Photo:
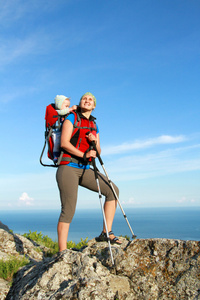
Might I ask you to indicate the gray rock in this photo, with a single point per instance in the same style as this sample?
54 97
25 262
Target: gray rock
4 288
17 245
3 226
144 269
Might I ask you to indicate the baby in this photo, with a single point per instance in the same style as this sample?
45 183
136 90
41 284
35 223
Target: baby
62 104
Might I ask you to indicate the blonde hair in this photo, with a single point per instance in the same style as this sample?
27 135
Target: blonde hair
90 94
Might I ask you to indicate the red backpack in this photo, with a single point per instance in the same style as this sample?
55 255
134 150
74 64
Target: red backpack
53 125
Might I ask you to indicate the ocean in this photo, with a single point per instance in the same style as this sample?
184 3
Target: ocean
172 223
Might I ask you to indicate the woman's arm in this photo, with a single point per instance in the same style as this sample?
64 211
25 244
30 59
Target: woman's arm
67 130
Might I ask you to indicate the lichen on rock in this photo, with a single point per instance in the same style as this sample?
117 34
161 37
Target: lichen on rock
144 269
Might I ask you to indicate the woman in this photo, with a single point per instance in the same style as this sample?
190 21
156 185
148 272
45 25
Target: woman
75 170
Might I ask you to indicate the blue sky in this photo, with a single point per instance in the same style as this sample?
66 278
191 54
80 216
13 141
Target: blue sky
141 59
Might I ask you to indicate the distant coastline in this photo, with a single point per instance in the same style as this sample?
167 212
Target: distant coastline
126 208
174 222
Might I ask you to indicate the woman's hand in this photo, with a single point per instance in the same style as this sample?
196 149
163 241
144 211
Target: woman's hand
91 153
92 138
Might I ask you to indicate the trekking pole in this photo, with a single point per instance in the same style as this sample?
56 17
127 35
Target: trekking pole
114 192
104 217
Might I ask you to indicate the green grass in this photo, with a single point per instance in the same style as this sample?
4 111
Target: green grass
9 267
81 244
126 237
43 240
46 241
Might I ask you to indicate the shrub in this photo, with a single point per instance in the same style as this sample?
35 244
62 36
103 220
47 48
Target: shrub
9 267
126 237
43 240
46 241
81 244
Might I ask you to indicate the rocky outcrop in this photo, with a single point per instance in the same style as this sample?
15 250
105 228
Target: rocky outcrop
3 226
17 246
144 269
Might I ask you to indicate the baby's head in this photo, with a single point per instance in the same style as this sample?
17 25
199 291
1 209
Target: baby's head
62 102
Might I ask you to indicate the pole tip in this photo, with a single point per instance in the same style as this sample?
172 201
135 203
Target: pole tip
113 269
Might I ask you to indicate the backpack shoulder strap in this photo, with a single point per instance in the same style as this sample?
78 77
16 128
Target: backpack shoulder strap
77 118
77 121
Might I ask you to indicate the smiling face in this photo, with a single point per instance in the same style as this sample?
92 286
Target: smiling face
87 103
65 104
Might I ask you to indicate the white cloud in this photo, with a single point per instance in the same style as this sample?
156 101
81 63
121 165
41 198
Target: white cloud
185 200
8 9
131 201
159 163
25 200
16 48
34 40
14 10
17 94
126 168
182 200
142 144
40 190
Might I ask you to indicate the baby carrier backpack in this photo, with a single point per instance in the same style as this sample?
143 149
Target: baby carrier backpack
53 126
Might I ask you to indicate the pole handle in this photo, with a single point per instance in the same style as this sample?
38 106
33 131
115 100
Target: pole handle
95 148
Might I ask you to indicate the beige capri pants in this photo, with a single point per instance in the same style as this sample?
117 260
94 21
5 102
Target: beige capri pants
69 178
